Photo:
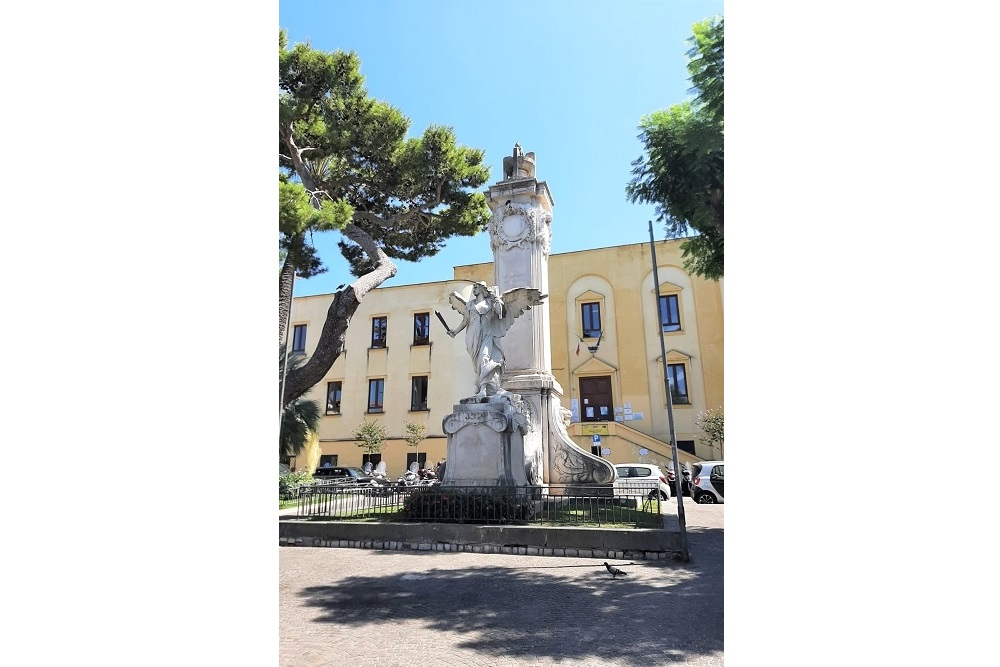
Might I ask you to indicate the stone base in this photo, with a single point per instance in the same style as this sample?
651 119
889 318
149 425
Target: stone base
486 443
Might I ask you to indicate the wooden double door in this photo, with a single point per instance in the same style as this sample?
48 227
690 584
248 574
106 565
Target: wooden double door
596 403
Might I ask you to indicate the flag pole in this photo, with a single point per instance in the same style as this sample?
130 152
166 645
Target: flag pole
678 486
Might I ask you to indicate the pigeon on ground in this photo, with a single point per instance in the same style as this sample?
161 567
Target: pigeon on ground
614 571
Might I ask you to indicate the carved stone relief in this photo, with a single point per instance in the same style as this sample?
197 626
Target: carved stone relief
515 225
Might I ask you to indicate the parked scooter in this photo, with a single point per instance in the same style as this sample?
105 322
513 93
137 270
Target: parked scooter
409 478
428 477
379 479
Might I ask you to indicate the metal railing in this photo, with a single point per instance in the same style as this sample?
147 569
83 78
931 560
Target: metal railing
556 505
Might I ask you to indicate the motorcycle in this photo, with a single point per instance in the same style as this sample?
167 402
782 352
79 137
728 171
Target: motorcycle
409 477
379 479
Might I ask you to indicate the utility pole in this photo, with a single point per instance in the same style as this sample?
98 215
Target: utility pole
678 476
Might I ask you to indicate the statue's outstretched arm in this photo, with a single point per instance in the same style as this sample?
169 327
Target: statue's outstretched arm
459 304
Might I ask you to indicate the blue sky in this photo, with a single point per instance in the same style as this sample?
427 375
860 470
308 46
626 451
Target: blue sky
568 80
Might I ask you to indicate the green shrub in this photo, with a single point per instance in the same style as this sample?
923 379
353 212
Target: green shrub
432 504
289 484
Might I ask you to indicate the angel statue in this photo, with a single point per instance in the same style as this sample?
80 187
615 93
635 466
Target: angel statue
486 317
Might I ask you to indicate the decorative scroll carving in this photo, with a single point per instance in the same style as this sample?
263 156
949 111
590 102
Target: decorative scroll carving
570 464
454 422
514 225
502 414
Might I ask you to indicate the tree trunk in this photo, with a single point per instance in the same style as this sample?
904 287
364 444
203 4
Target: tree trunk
345 303
286 280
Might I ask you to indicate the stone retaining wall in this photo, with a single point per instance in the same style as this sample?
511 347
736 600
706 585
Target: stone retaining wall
635 544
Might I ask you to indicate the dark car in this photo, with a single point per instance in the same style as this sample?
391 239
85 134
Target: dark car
342 475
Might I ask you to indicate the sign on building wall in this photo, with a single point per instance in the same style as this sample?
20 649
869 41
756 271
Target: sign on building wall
595 429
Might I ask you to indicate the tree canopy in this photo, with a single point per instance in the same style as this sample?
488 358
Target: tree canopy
370 436
713 425
682 171
345 164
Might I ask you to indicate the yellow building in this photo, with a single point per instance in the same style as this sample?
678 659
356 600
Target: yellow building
401 365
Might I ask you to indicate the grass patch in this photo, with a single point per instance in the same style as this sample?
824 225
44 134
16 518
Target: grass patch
592 514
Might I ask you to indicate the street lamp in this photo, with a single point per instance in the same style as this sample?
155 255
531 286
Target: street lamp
678 487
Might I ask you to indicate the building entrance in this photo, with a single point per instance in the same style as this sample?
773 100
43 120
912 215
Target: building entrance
595 399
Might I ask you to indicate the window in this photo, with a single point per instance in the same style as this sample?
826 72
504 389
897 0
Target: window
678 384
299 339
327 460
686 446
591 320
373 459
418 395
379 325
420 459
333 391
376 390
422 329
670 317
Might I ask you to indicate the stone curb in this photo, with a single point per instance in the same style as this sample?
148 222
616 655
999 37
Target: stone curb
634 544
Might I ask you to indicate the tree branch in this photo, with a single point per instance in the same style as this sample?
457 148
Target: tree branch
345 303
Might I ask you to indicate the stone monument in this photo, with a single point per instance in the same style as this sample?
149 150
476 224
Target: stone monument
512 432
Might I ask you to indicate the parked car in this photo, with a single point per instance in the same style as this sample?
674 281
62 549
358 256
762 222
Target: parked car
708 482
635 477
342 475
283 470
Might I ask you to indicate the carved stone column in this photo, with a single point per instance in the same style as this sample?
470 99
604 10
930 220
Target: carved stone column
521 238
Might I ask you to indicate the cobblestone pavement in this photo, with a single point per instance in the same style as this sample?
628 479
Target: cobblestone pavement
387 608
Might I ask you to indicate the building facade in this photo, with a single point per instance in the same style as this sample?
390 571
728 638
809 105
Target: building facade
400 364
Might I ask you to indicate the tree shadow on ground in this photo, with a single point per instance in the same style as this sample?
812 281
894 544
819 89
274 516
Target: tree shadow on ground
565 608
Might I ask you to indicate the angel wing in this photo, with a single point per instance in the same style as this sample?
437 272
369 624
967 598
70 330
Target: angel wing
457 302
518 300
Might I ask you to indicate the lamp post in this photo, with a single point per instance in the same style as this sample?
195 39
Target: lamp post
678 486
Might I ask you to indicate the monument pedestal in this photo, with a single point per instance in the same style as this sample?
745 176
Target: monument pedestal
486 443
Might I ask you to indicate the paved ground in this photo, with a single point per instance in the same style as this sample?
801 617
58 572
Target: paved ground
388 608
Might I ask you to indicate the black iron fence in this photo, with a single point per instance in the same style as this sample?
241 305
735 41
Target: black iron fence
557 505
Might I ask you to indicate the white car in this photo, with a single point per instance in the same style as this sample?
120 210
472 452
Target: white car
707 481
634 478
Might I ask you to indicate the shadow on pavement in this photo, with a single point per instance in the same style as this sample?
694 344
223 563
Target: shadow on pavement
560 608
